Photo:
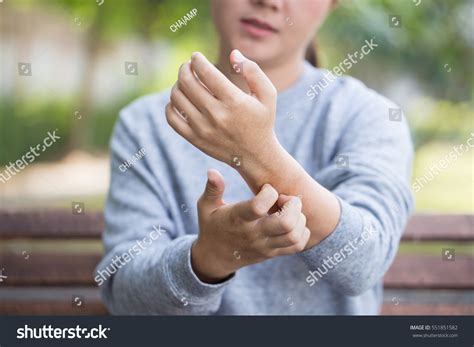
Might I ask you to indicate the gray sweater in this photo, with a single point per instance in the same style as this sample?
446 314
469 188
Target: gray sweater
338 130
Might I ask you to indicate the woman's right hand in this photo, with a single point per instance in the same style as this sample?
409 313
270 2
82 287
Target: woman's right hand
236 235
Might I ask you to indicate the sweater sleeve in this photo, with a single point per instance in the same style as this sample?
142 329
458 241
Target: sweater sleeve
146 268
369 172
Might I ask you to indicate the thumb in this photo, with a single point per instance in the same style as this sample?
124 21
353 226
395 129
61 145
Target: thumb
214 190
259 84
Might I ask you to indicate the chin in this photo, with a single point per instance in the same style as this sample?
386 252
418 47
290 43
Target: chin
258 52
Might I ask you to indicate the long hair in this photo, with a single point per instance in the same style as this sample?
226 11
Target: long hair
312 54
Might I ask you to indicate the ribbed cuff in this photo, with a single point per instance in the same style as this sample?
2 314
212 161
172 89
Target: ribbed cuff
184 283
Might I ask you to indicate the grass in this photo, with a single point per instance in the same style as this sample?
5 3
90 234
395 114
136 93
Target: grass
451 191
436 248
93 203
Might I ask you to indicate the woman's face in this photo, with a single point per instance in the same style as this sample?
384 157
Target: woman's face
268 30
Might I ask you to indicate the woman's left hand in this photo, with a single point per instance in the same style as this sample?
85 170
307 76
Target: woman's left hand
220 119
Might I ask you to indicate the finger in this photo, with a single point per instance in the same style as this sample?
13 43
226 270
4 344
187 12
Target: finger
195 91
284 220
289 213
277 224
214 191
259 84
289 239
283 199
212 78
258 206
188 111
177 122
299 247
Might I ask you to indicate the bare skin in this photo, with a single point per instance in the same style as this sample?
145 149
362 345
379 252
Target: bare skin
228 113
237 235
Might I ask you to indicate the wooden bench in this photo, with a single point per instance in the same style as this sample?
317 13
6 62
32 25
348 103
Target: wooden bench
47 261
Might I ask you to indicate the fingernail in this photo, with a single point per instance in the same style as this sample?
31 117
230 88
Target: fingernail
209 176
238 56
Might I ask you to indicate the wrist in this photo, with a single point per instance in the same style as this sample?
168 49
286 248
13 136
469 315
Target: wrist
265 165
206 264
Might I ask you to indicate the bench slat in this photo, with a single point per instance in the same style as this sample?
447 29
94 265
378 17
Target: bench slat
97 308
50 224
427 310
49 269
419 272
407 272
51 300
59 301
63 224
439 227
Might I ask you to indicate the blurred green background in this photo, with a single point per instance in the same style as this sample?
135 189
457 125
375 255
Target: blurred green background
77 50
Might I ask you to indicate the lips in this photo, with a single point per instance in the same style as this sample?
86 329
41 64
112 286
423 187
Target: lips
259 24
257 27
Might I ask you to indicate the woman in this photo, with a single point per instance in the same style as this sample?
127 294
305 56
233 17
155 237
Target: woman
316 185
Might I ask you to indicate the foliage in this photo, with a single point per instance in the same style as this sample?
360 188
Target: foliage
433 34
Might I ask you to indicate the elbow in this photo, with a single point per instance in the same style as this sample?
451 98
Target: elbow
107 299
355 287
358 282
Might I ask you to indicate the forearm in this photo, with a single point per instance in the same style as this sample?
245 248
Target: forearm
278 168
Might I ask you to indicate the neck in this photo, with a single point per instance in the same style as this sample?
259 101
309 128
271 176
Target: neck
283 73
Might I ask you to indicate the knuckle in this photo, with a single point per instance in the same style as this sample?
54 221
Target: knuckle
236 100
272 92
298 203
181 84
204 132
257 208
265 253
204 71
186 78
251 66
286 224
173 89
181 71
223 124
232 217
218 115
272 192
303 218
299 247
174 96
293 238
169 116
